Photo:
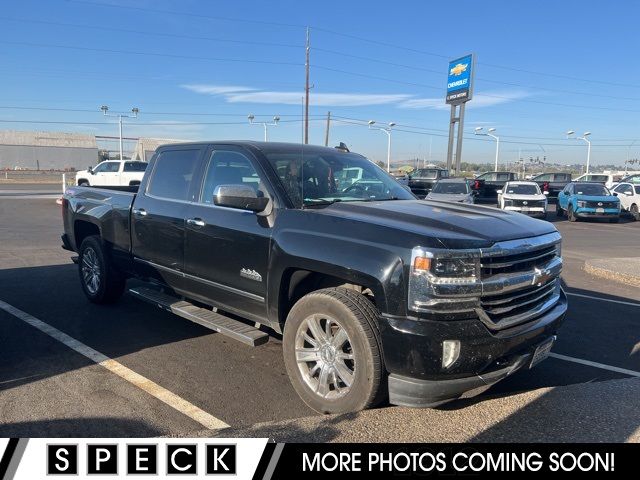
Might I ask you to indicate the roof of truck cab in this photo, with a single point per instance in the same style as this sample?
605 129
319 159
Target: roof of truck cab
265 147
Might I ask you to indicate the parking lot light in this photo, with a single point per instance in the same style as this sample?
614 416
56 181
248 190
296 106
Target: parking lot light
489 133
386 130
265 125
134 114
585 139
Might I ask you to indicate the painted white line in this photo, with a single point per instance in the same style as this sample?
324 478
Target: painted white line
595 364
174 401
632 304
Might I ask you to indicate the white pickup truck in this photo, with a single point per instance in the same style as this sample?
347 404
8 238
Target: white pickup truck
112 173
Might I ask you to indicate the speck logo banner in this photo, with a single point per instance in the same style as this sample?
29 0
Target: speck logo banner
261 459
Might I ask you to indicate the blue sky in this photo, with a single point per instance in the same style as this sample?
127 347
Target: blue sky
193 67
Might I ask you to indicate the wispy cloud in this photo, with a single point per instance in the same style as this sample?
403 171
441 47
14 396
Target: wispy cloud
237 94
244 94
486 99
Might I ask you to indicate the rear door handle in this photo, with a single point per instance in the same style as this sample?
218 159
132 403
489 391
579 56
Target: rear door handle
139 211
196 222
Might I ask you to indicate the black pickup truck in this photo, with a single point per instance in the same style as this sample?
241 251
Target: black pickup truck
488 184
377 294
422 180
553 183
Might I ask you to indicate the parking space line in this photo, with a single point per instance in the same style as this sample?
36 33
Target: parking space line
602 366
171 399
632 304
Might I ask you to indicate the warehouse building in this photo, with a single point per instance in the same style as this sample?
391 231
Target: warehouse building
46 150
145 147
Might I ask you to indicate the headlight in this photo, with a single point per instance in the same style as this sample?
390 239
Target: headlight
508 203
582 204
432 268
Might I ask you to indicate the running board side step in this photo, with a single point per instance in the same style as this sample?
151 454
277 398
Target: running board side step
215 321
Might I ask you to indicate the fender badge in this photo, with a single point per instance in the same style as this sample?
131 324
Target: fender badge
250 274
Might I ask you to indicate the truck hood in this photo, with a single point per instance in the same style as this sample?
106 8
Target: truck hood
512 196
597 198
454 225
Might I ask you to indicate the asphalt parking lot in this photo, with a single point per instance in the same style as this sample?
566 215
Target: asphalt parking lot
587 391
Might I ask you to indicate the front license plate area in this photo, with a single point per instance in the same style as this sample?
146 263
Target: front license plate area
541 352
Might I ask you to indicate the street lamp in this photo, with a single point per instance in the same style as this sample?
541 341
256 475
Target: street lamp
276 119
134 114
489 133
583 137
386 130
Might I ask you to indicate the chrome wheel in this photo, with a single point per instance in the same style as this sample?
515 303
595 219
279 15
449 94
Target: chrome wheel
91 270
325 356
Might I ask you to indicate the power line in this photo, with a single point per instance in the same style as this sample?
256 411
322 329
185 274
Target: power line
157 34
151 54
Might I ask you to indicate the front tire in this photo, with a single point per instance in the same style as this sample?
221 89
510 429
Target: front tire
570 215
635 215
332 351
100 281
83 183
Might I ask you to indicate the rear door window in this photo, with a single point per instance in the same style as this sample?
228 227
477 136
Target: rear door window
173 173
135 166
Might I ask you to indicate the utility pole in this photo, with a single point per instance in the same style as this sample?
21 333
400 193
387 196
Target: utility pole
306 92
326 132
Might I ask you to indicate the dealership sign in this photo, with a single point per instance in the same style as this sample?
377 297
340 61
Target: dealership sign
460 79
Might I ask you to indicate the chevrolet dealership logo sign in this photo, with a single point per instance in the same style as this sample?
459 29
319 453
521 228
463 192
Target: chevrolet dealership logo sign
460 80
458 69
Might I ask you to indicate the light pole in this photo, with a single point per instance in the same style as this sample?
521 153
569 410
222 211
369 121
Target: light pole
120 116
628 156
496 138
276 119
386 130
583 137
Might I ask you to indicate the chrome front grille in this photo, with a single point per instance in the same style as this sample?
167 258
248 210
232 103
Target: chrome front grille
592 204
516 262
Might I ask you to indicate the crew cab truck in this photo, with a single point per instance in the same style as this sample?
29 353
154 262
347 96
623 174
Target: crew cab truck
377 294
552 183
488 184
112 173
422 180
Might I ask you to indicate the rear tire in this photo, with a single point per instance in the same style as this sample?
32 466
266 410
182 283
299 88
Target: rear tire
100 281
342 371
570 215
83 183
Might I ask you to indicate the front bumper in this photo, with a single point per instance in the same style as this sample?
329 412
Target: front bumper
591 213
413 355
532 212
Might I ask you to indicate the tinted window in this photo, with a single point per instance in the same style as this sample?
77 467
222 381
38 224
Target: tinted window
562 177
594 189
546 177
107 167
637 188
522 189
451 188
172 174
426 173
596 178
135 166
227 167
624 188
328 177
503 177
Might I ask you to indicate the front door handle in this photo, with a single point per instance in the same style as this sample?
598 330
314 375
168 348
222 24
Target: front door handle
139 211
196 222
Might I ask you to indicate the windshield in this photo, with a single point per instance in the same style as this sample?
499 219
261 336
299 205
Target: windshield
595 178
333 177
425 173
594 189
522 189
451 188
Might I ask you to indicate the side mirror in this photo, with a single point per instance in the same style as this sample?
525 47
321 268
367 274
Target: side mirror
90 169
545 192
242 197
499 192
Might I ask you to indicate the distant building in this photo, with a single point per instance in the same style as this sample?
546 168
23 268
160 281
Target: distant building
46 150
146 147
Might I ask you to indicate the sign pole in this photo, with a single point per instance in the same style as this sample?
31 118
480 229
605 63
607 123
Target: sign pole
459 142
452 126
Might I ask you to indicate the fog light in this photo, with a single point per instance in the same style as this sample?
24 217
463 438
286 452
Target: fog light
450 352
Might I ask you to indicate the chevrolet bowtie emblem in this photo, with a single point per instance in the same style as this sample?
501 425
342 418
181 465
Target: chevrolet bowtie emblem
459 69
541 276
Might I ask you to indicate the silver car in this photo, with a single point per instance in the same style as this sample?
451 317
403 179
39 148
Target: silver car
452 190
